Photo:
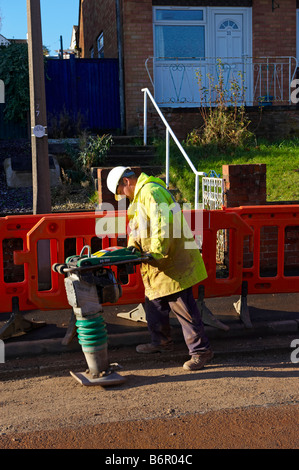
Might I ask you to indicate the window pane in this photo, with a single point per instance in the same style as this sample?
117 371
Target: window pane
180 41
179 15
100 44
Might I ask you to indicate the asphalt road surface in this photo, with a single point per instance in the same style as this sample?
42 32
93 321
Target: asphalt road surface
244 399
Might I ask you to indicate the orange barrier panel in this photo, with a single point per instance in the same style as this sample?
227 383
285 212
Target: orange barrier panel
83 228
14 279
212 223
57 230
274 264
244 229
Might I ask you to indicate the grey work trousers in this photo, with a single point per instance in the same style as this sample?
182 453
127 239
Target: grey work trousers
185 308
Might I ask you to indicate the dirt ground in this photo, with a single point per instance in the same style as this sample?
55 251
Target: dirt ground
239 401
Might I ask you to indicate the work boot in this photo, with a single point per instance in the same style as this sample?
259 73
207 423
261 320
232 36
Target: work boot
150 348
198 361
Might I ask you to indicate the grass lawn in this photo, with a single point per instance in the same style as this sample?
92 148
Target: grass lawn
282 160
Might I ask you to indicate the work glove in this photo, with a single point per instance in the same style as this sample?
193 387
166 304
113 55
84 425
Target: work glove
138 252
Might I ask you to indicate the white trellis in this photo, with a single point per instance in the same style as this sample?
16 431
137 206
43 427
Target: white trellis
212 193
213 199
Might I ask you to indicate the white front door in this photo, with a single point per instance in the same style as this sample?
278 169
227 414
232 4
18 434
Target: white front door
229 35
187 43
230 48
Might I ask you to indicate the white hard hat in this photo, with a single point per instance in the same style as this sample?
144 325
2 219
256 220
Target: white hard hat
114 176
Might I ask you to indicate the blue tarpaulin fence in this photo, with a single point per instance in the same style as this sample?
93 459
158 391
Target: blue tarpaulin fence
84 87
85 90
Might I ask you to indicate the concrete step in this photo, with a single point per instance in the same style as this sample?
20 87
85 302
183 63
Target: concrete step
126 139
131 149
125 152
128 157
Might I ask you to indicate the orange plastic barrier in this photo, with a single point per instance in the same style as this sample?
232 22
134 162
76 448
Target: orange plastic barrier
14 279
82 228
214 222
274 244
244 229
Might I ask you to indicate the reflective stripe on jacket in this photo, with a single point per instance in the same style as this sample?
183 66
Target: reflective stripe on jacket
158 227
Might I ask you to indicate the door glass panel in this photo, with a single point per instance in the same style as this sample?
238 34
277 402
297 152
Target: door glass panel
180 41
228 24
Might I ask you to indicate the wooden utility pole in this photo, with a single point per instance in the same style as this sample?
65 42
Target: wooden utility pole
39 138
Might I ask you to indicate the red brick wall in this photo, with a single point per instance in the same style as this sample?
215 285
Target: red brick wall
97 17
245 185
274 33
277 122
138 45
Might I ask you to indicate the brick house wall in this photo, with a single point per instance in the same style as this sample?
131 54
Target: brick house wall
97 17
276 122
273 34
138 45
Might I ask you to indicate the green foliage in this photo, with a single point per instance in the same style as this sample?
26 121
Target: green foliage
225 123
92 153
14 73
224 128
95 151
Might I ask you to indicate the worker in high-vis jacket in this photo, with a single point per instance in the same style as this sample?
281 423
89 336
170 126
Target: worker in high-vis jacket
158 228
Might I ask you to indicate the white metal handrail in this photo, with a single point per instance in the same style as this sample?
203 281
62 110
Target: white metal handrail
169 132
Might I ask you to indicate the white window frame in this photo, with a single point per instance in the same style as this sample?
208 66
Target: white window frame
203 9
202 22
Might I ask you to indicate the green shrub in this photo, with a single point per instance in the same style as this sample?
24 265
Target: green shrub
95 151
14 73
225 123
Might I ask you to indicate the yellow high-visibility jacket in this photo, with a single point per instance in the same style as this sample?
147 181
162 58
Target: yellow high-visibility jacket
157 226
